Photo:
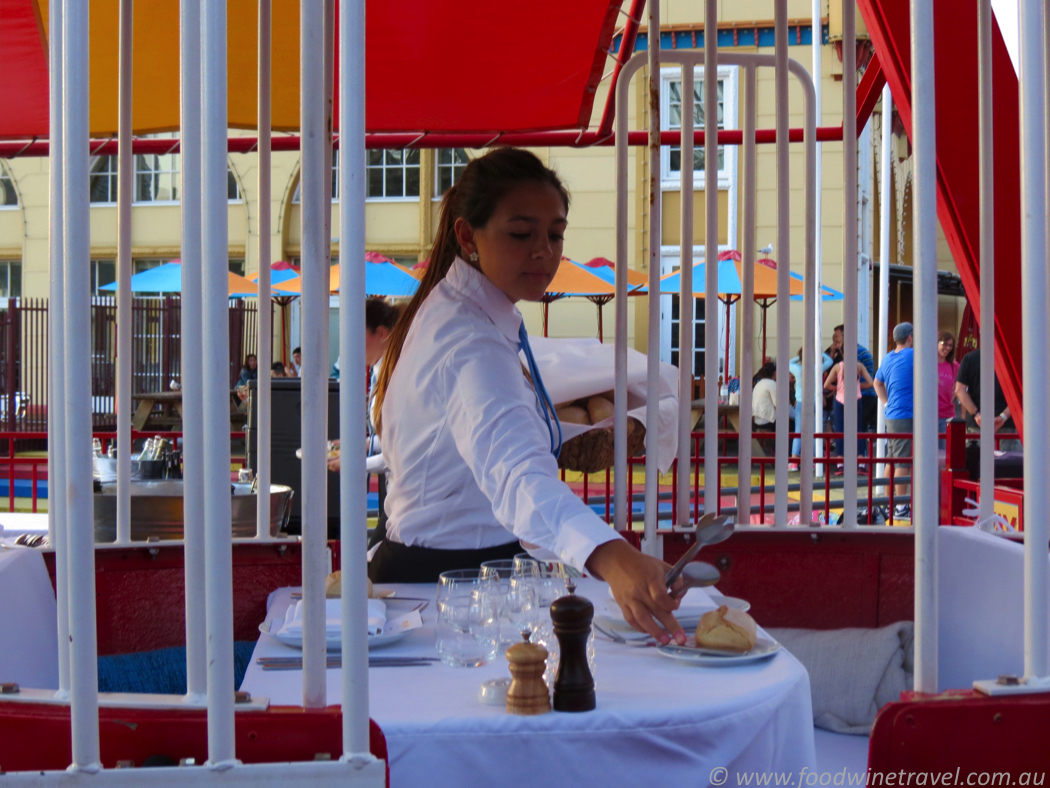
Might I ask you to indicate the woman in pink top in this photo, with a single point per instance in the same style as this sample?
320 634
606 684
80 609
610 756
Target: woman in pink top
947 368
837 381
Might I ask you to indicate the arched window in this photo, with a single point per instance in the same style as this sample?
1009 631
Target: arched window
8 195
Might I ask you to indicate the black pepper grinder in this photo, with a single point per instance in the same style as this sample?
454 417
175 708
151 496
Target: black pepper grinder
574 685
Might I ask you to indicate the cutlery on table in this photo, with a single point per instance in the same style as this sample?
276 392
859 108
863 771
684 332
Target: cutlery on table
335 661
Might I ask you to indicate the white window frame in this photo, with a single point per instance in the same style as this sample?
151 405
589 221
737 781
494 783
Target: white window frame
7 181
670 260
95 285
729 76
109 173
384 166
457 169
172 170
297 194
5 277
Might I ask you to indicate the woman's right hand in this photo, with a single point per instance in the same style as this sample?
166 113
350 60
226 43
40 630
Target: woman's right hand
637 583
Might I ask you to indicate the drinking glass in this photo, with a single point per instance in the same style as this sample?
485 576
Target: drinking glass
498 574
467 630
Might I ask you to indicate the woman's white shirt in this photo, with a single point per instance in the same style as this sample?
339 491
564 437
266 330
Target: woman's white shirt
764 401
469 452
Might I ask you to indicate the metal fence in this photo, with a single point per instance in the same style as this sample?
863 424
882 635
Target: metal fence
156 353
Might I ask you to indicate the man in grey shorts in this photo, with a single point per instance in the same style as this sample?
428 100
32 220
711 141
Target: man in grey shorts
894 383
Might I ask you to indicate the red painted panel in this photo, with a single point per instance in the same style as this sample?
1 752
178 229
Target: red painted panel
958 201
280 734
963 734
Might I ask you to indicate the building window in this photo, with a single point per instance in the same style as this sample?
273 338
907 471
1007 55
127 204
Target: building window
157 177
103 272
237 266
297 195
450 164
8 195
392 173
104 179
671 119
10 279
145 264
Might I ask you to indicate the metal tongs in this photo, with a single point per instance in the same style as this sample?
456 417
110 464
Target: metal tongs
712 529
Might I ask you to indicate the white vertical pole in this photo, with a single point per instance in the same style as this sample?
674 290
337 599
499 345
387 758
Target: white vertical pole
216 374
352 507
78 492
125 185
849 260
987 274
817 26
747 298
811 355
783 445
650 541
315 241
192 350
685 307
885 208
711 471
1034 347
264 345
924 464
56 372
621 518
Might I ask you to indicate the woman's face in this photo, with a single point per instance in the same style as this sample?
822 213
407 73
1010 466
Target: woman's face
253 362
944 347
375 344
519 250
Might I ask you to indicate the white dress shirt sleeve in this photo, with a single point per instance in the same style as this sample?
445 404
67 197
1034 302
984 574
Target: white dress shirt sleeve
500 434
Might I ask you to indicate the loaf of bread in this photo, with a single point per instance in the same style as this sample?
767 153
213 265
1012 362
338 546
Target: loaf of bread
571 414
333 585
599 409
727 629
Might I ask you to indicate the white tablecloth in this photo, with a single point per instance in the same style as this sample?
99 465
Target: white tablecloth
28 620
658 720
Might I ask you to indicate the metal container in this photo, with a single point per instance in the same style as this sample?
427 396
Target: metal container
156 510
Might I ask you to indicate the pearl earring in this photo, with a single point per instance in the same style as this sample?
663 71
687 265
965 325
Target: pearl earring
473 257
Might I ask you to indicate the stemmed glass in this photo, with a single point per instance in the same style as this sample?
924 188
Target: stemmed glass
467 630
499 576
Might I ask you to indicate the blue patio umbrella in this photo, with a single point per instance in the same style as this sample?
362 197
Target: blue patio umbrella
167 278
381 279
828 294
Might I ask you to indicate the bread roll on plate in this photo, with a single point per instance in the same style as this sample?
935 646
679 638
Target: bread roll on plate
727 629
333 585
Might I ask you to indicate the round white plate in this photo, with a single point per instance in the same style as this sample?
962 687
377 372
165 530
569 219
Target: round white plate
731 601
764 649
336 644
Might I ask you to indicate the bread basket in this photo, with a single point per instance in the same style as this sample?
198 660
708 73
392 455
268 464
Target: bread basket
594 450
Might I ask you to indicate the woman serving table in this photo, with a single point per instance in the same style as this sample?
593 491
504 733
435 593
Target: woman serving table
656 717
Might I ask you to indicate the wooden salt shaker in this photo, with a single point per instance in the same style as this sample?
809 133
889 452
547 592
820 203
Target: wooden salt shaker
574 685
528 694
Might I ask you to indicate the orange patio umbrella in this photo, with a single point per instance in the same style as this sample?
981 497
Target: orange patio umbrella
573 279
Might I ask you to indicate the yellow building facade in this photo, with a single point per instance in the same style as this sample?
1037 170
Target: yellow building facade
405 189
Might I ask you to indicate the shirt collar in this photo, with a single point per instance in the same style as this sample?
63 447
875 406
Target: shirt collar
474 285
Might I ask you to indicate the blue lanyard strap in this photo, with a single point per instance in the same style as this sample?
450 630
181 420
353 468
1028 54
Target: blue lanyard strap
543 400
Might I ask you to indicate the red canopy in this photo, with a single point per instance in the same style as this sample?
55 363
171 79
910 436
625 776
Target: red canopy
433 65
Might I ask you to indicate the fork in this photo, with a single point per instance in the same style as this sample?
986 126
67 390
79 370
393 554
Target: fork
638 642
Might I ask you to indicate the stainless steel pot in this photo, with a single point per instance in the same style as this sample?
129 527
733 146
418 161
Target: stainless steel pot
156 510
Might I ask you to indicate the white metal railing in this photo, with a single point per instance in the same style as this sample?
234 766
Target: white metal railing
689 60
207 539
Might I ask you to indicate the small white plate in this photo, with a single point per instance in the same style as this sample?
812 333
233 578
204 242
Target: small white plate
731 601
764 649
408 616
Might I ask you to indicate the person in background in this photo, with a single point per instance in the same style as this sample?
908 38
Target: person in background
380 319
764 405
277 370
968 392
836 381
869 400
795 366
296 369
250 370
894 384
947 369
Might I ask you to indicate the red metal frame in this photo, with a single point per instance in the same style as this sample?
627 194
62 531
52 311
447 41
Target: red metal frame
958 205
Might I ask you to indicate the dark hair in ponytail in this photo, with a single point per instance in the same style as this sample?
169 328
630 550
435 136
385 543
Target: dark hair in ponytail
474 197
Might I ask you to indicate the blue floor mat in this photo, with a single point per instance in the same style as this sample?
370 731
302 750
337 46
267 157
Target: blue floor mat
162 671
